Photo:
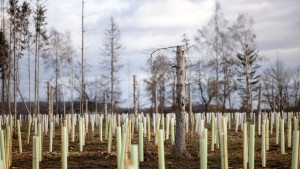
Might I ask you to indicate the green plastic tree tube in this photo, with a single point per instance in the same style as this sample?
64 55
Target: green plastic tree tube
134 156
295 149
252 146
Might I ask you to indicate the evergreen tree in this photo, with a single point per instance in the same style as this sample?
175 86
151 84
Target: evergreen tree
111 61
247 63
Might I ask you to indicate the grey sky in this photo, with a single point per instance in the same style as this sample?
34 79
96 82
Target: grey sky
149 24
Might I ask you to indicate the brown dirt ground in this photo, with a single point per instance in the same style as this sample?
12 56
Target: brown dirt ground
95 153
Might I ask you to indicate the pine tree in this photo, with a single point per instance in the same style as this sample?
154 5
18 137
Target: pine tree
248 66
111 61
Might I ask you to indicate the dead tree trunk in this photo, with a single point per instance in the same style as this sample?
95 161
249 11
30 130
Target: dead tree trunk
155 101
179 148
135 98
259 109
105 105
190 100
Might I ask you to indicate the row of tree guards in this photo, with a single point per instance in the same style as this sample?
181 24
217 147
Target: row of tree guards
159 130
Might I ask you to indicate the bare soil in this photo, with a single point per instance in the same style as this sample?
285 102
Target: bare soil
95 153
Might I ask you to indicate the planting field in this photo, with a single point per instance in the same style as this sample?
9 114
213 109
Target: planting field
95 153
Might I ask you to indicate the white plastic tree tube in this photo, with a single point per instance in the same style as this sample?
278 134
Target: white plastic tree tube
119 145
80 134
295 123
134 156
51 136
29 128
109 136
267 135
73 128
40 141
19 137
35 153
161 151
172 132
106 127
148 127
277 129
2 150
224 120
141 143
122 159
64 148
295 149
289 134
223 156
282 142
203 150
167 126
213 134
252 146
263 145
100 128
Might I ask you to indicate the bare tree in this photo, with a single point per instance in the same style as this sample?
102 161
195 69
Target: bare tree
40 39
215 42
112 49
281 78
58 59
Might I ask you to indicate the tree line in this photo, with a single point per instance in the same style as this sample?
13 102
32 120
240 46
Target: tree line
25 35
227 74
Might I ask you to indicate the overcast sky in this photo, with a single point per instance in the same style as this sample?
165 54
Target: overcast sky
147 24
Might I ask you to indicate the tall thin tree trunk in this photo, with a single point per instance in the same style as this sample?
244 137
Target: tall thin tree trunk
259 109
72 87
29 83
96 94
105 105
180 144
190 100
82 63
135 98
15 61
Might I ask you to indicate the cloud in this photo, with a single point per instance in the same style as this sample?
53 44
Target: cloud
148 24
